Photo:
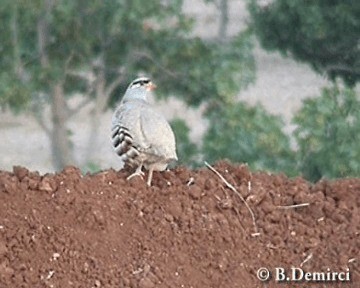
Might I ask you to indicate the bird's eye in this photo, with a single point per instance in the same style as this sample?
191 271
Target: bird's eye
145 82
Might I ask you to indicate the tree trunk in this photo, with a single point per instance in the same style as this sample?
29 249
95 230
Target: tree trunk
224 20
100 103
102 96
61 147
19 68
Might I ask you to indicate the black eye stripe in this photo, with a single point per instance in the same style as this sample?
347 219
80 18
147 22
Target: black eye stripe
141 82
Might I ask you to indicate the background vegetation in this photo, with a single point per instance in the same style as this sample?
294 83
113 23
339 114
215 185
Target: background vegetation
52 50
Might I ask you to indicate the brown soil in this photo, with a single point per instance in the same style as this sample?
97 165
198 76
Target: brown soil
69 230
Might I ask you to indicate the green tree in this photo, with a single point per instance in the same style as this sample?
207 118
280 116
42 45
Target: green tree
323 33
237 131
51 50
187 151
248 134
328 134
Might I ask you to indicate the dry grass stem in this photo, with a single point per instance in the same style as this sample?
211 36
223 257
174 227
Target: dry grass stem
238 194
191 181
306 259
293 206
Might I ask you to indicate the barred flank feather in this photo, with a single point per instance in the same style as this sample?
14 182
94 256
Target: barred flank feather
123 143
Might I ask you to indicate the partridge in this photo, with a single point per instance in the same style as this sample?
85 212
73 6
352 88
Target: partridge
140 135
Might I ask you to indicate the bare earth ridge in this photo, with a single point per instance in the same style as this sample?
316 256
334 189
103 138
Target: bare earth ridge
188 230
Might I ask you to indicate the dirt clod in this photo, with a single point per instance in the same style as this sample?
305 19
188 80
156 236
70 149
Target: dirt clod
74 230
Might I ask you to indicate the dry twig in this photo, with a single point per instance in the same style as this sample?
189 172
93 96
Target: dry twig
306 259
293 206
237 193
191 181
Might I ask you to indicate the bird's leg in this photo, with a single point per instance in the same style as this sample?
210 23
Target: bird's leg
151 169
137 172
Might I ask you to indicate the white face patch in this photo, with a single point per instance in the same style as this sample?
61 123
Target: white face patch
136 85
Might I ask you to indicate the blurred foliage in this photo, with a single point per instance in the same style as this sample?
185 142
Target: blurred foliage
328 134
13 94
248 134
90 167
187 151
128 38
97 48
323 33
206 71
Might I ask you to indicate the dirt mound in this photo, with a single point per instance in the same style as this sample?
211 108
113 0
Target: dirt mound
188 230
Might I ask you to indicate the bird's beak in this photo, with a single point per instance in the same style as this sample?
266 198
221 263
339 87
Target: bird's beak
151 86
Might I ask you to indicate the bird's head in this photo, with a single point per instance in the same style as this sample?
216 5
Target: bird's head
139 88
142 83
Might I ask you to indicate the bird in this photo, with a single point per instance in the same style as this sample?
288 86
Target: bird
141 136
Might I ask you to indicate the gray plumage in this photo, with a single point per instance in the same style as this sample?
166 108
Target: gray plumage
141 136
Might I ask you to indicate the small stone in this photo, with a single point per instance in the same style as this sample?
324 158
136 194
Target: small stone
33 184
209 184
3 249
146 283
195 192
56 256
47 184
168 217
126 282
10 185
20 172
73 171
